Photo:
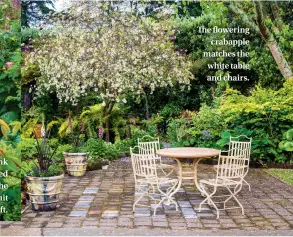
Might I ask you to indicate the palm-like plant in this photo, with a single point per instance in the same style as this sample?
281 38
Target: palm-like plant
45 152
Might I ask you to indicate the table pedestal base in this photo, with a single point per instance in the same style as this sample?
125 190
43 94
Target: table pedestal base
192 173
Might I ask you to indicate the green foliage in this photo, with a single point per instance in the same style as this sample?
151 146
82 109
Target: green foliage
124 145
153 125
4 128
28 149
30 33
13 157
201 129
27 166
53 170
92 117
177 130
47 165
209 120
10 58
28 127
170 110
9 133
264 116
100 149
93 163
287 143
30 119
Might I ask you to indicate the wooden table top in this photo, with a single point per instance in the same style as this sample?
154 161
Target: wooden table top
188 152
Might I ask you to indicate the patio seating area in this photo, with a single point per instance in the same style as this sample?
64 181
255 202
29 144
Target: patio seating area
104 199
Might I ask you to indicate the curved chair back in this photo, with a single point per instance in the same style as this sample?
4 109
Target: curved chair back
232 167
238 146
144 165
149 145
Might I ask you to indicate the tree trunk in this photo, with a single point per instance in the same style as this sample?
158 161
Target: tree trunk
107 129
271 42
147 113
213 93
128 131
107 112
280 59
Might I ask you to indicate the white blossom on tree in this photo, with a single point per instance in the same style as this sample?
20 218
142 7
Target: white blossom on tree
114 53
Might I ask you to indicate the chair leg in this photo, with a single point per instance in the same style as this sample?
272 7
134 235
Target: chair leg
140 197
145 193
209 199
160 202
167 196
247 184
170 194
235 198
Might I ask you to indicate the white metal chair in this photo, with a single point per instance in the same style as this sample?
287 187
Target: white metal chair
150 145
147 181
231 170
236 147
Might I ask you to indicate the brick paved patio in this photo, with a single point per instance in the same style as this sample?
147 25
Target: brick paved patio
104 198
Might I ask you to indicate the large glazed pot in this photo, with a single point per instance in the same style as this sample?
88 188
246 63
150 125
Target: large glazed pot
76 163
44 192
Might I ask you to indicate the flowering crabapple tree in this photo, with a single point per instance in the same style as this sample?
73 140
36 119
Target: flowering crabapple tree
116 53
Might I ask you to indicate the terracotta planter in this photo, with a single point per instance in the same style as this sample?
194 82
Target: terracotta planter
44 192
38 130
76 163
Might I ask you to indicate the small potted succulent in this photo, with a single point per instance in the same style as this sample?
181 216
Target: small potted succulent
76 160
44 182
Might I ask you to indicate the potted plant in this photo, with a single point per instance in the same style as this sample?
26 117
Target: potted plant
44 181
76 160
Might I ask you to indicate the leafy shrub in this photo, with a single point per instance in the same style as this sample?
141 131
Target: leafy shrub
287 142
170 110
13 158
264 116
100 149
28 149
208 122
58 158
286 145
177 131
29 33
123 146
262 145
201 129
138 133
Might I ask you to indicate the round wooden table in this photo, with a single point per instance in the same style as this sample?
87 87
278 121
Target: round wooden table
181 153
